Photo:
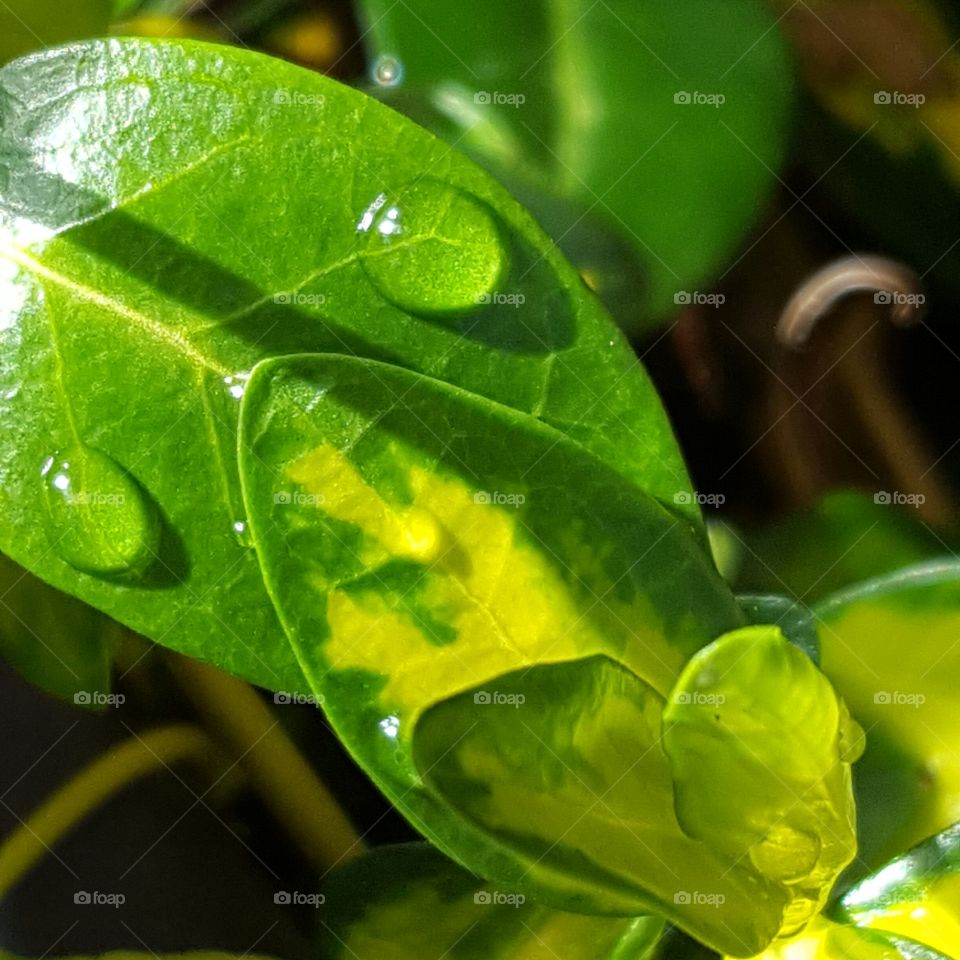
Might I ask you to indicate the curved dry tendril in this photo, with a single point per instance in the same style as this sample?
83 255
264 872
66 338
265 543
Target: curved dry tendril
895 283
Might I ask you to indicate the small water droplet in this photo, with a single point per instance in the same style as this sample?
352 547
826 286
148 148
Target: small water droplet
852 740
432 249
100 520
786 854
236 384
241 531
390 727
387 71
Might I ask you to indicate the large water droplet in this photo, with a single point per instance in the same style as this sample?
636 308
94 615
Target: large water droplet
100 520
786 854
387 71
432 249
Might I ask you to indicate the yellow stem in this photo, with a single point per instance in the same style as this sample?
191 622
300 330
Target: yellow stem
275 767
96 783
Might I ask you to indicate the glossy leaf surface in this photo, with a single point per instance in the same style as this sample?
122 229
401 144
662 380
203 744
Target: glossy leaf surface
159 237
667 119
492 618
890 648
408 902
916 896
760 748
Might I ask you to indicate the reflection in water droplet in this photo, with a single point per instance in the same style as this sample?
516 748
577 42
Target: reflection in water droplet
387 71
242 532
786 854
390 726
236 384
100 520
432 249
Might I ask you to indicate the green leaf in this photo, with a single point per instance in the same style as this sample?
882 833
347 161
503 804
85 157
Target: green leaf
795 620
914 896
27 25
760 748
582 102
56 642
407 902
441 562
890 648
172 213
824 939
844 538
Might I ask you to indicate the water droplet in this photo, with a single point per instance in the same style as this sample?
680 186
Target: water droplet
390 727
387 71
242 532
236 384
852 740
786 854
100 520
432 249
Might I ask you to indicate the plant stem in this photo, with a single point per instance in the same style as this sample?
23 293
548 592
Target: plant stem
275 767
120 766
